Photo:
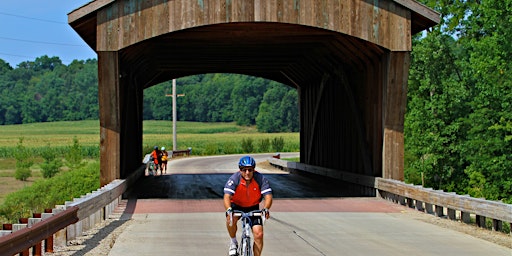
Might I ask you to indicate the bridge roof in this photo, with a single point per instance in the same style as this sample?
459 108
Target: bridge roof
279 51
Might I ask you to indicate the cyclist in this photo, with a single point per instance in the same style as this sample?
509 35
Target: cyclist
156 154
244 191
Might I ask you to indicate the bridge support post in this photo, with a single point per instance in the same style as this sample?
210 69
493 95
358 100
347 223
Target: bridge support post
393 104
120 102
110 123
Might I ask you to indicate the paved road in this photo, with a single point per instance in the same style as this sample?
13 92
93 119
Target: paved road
182 214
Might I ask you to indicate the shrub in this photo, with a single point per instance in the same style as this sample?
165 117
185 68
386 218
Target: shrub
51 164
74 155
278 144
264 145
23 162
247 146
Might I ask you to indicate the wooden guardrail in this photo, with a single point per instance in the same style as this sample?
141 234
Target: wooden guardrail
32 236
66 222
431 201
184 152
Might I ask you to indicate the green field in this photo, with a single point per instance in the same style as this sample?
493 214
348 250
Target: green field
199 136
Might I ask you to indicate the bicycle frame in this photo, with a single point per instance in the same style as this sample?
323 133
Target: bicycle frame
245 248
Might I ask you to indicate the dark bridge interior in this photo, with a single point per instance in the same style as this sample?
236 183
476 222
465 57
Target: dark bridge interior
291 54
210 186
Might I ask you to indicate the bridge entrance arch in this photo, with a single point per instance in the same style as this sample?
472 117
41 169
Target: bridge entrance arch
348 59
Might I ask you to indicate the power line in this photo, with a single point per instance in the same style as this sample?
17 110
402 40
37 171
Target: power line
30 57
30 18
15 55
38 42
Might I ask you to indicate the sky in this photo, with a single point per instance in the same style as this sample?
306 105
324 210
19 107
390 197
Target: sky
33 28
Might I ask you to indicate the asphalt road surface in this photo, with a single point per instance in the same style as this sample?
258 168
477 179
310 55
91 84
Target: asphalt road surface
181 213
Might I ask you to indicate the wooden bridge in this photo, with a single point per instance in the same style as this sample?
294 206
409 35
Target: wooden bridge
348 59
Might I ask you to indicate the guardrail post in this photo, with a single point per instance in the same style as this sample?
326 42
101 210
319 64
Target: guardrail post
48 242
429 208
451 214
36 249
439 211
419 206
24 221
60 236
480 221
497 225
6 229
465 217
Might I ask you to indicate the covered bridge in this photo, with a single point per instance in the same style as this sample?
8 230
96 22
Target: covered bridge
348 60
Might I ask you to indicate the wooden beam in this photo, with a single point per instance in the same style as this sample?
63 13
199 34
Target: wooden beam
394 101
110 116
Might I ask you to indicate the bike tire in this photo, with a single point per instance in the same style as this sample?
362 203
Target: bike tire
246 248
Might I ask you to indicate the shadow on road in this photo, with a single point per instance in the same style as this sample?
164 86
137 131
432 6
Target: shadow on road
210 186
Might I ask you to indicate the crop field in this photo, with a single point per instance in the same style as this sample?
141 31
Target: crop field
189 134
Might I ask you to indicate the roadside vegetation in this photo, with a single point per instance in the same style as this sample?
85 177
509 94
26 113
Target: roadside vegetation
46 164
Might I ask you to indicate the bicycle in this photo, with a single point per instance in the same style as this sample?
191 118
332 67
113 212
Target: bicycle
245 248
152 169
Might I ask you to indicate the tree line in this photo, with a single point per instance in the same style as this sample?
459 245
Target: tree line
45 90
458 123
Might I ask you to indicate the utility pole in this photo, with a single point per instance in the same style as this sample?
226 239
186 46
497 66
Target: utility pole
174 113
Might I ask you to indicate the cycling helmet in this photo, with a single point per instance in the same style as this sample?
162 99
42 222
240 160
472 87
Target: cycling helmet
246 161
163 148
155 147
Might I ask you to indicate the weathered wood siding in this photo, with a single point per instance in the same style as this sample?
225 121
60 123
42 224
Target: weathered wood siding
127 22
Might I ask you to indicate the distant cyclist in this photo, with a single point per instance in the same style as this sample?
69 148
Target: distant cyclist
244 191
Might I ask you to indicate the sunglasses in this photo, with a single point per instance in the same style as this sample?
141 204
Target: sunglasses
247 170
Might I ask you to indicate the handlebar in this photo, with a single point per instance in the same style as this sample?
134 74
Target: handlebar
254 213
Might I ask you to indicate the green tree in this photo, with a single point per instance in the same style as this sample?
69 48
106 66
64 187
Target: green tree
74 155
23 162
51 165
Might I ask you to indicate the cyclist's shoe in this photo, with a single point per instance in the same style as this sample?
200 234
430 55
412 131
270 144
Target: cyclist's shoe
233 249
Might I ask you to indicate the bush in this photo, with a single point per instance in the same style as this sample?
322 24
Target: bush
264 145
278 144
23 162
51 164
22 174
247 146
74 156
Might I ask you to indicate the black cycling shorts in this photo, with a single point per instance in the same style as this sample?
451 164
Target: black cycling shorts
255 220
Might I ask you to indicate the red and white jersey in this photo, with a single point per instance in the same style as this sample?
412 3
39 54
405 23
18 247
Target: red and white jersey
247 195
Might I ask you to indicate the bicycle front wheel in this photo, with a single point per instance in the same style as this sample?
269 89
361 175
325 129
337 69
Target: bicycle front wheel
246 248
